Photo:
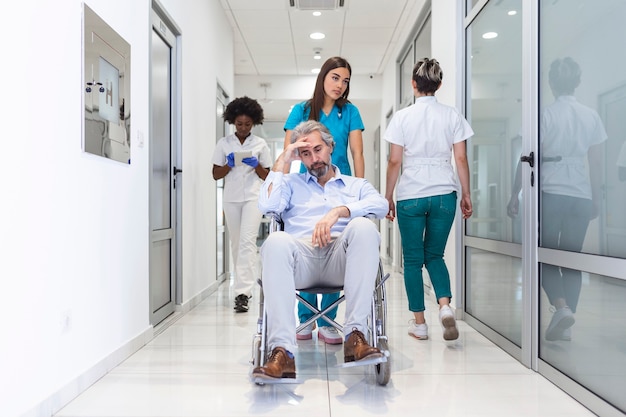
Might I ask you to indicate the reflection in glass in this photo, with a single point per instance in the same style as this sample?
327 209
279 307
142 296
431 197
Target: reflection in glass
494 90
494 292
582 98
592 351
612 108
495 113
570 161
570 165
588 31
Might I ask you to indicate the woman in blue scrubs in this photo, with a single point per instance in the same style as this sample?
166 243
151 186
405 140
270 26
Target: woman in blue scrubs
330 106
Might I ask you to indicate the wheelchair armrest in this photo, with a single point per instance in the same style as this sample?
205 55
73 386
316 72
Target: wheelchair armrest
276 222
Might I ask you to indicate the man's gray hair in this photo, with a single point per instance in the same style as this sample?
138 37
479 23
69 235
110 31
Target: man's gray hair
306 128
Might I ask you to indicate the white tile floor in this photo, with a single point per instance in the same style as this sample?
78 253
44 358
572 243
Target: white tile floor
199 366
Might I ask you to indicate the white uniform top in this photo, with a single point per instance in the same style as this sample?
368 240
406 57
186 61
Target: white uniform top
567 130
242 183
427 130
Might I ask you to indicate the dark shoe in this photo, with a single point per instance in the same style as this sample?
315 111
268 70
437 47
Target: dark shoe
356 348
279 365
241 303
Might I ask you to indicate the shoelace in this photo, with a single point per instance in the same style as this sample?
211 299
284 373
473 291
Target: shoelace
359 336
274 355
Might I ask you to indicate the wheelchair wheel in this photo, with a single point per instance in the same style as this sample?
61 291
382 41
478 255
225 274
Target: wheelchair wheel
383 370
381 302
256 351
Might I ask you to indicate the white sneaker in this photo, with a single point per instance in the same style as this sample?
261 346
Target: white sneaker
306 333
418 331
330 335
562 319
446 317
567 335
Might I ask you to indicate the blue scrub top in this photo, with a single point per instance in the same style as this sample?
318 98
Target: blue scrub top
339 124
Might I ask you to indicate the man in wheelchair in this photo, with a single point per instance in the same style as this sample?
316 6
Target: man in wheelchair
326 241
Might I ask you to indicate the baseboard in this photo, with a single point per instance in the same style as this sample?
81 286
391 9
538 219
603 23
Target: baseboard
56 401
188 305
73 389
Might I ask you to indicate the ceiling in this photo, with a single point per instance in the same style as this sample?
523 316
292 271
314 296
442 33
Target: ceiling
272 36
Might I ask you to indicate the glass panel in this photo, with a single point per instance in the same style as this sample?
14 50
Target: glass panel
494 292
422 43
406 71
494 111
220 237
582 128
591 349
161 265
160 141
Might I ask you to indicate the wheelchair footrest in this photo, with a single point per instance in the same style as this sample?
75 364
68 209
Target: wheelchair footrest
363 362
274 381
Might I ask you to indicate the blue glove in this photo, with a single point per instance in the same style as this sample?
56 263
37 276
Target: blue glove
251 160
230 159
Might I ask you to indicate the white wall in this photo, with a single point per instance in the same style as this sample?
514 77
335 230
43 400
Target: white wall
75 256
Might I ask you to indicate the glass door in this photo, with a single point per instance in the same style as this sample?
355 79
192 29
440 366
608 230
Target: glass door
495 276
545 267
582 239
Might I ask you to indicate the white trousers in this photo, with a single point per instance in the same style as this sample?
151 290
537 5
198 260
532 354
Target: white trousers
243 220
351 260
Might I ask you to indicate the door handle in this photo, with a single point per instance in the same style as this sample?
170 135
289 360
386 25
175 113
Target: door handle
530 158
176 171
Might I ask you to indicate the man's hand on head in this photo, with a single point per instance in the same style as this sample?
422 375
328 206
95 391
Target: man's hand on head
290 153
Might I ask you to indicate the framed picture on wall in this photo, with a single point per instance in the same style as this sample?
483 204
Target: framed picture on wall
106 90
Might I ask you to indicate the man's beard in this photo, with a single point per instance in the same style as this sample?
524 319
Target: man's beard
319 171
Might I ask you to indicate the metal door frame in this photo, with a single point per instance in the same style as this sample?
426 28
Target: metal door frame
163 25
221 129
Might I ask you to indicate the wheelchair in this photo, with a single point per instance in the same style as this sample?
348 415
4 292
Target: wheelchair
376 326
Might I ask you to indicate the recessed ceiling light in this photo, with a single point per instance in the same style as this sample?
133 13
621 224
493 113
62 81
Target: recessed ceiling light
512 12
316 13
490 35
317 35
317 57
315 70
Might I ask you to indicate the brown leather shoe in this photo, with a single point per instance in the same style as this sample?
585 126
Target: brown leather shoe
279 365
356 348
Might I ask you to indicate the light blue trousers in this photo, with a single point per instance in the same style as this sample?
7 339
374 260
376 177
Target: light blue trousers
351 260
